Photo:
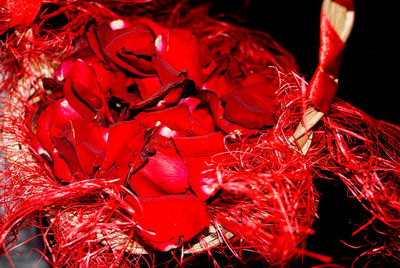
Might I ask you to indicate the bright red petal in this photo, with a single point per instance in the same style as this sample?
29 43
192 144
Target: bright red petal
144 187
22 12
148 86
198 153
62 170
170 220
199 146
181 49
167 169
119 135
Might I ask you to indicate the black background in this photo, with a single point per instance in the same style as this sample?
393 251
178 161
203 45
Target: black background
368 80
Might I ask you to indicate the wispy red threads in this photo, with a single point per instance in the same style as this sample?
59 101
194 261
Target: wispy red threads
267 197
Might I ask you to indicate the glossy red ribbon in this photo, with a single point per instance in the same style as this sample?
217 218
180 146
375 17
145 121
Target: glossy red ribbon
323 85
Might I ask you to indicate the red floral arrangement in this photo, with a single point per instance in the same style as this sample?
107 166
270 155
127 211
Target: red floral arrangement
134 134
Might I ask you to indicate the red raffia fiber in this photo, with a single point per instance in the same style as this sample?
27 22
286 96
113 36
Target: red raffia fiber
267 199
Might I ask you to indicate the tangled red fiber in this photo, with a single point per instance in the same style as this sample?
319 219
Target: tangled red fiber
266 200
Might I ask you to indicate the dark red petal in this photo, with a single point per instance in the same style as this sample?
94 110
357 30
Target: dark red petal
167 169
62 171
124 150
141 63
181 49
50 119
137 39
131 49
90 141
63 114
170 220
160 93
165 71
205 55
40 126
252 106
73 99
66 150
64 69
219 85
217 112
86 86
118 137
243 109
191 102
94 42
176 118
202 115
72 90
108 77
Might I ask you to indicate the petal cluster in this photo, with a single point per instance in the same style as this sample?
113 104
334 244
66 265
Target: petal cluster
150 107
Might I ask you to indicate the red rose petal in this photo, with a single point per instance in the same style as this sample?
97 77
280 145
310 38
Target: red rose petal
198 153
165 71
41 126
22 12
166 169
217 112
205 55
141 63
168 221
63 114
72 90
191 102
85 84
90 141
107 76
130 48
177 118
219 85
94 42
50 119
202 115
137 39
144 187
66 150
147 86
202 179
252 106
160 93
124 150
181 49
119 135
200 146
62 170
171 117
244 109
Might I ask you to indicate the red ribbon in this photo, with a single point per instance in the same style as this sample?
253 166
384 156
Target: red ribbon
323 86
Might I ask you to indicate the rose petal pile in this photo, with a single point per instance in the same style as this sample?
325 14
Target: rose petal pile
150 107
